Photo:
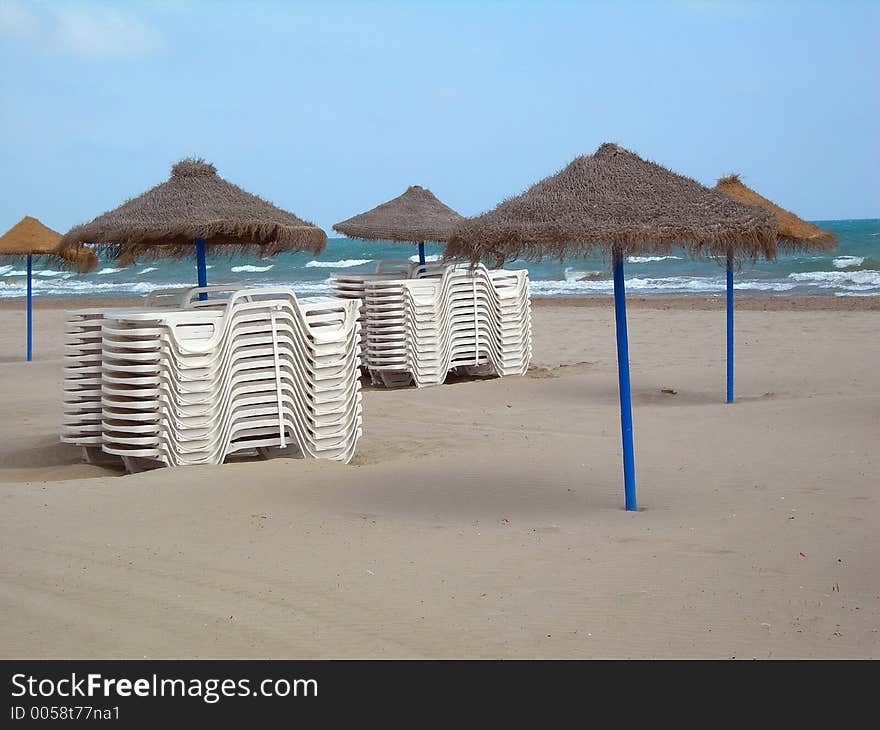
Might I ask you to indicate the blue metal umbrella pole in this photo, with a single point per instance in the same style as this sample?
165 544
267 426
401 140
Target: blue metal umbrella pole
421 252
730 329
30 318
201 266
626 428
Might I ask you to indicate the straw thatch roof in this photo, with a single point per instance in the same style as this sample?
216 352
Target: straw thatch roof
29 237
195 202
794 233
415 216
614 200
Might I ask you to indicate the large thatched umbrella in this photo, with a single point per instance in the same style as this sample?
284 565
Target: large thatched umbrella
414 217
197 206
28 239
794 235
618 203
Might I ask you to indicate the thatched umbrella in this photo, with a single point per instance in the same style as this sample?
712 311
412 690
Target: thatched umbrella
794 235
414 217
196 205
28 239
615 202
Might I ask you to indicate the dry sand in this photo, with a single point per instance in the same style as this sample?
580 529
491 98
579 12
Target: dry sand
483 519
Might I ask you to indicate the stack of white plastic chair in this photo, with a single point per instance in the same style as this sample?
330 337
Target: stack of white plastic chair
384 281
477 320
352 286
384 348
260 370
473 319
81 401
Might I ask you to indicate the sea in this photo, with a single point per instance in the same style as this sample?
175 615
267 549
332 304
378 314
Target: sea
850 270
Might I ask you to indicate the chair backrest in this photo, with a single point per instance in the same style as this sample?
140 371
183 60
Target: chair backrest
394 266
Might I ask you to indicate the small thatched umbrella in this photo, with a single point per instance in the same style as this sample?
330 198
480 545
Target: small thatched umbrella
414 217
28 239
794 235
196 206
618 203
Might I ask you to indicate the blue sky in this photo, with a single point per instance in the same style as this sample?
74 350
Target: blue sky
329 108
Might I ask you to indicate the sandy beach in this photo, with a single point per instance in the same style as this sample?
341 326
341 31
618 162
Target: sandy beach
483 518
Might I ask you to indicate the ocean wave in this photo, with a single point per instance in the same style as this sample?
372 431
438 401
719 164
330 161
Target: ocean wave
50 273
846 262
649 259
312 287
45 273
247 268
80 288
691 284
432 257
75 287
763 285
109 270
572 274
343 264
833 279
148 270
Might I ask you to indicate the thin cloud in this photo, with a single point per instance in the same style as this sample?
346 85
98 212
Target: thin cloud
84 31
103 32
16 20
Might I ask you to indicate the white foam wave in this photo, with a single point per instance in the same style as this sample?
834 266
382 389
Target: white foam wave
834 279
691 284
312 287
247 268
50 273
109 270
46 273
845 262
77 287
763 285
851 281
649 259
572 274
147 270
432 257
343 264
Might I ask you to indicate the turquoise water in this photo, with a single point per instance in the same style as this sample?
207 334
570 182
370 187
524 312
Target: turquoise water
852 269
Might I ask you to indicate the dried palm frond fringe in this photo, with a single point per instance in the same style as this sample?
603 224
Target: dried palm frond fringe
613 201
415 216
195 202
795 234
30 237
